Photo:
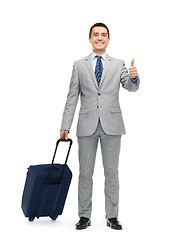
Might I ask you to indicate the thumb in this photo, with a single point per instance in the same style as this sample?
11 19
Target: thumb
132 62
66 135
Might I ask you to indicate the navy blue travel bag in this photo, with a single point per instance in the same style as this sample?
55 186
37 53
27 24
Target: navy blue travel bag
46 188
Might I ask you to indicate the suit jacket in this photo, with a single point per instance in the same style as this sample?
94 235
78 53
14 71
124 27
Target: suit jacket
97 102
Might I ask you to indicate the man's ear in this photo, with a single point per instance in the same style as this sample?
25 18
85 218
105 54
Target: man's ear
90 40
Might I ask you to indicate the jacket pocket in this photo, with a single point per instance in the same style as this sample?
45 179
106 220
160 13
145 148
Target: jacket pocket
115 109
83 110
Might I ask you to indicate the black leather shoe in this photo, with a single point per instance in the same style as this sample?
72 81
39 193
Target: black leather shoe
114 224
83 223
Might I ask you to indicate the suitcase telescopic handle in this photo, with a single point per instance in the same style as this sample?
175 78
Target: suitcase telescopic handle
59 180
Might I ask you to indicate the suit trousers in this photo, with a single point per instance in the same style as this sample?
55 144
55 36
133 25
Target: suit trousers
110 149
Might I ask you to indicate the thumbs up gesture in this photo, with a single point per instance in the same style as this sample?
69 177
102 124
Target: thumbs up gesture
132 70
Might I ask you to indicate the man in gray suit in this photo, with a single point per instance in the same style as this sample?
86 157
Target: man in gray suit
97 80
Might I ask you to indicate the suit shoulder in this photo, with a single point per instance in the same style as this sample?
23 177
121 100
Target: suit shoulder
117 60
80 60
80 63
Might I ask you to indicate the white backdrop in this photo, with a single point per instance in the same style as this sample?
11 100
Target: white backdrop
39 41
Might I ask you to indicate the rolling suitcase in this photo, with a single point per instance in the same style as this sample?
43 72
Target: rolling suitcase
46 188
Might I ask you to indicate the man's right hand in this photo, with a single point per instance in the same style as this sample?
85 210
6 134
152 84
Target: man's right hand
64 134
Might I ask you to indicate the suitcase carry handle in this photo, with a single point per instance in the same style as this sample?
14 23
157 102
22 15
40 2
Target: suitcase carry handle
58 180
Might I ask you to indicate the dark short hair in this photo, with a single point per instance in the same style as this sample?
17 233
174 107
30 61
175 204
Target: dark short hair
98 25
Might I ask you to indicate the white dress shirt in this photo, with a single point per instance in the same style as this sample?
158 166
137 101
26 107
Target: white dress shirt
94 59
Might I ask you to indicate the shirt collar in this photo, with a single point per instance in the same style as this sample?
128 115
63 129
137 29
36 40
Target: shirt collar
93 55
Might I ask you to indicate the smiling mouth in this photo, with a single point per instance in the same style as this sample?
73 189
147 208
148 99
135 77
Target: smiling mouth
99 43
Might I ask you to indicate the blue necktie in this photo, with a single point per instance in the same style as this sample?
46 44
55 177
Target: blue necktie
98 69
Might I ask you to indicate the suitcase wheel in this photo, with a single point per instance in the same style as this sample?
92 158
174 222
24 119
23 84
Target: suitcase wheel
32 217
56 213
54 217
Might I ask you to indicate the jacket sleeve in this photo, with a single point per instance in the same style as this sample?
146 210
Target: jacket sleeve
71 102
126 81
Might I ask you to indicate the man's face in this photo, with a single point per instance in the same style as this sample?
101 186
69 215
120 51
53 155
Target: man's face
99 39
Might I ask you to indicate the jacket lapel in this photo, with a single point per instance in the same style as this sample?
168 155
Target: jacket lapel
105 69
90 68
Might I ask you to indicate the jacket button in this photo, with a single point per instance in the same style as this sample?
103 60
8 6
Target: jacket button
97 106
99 94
